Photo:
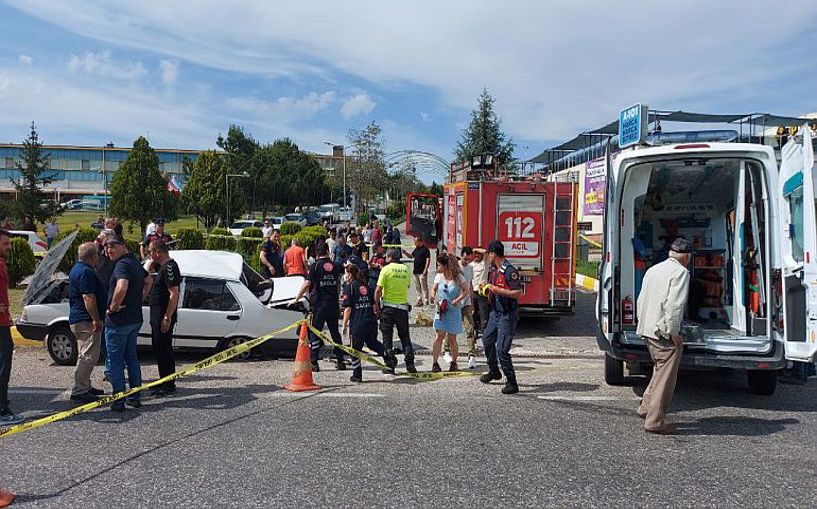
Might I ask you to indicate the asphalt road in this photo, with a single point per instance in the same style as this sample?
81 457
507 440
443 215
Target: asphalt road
233 437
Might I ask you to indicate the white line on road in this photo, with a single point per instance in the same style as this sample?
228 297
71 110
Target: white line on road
327 394
588 398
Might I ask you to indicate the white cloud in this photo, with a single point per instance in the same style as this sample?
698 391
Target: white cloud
424 117
169 70
25 59
292 108
359 104
101 63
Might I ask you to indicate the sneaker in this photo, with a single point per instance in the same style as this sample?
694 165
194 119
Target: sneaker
355 378
453 367
85 397
447 357
510 388
410 368
340 365
490 377
435 368
135 403
315 367
472 362
10 419
96 392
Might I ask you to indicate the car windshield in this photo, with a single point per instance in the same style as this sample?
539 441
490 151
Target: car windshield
241 224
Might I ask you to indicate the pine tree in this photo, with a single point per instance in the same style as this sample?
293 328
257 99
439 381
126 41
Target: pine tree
35 173
484 136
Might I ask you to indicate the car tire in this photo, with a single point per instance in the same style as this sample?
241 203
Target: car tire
613 370
62 345
762 382
231 342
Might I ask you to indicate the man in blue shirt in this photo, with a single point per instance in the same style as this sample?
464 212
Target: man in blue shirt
86 307
128 287
342 251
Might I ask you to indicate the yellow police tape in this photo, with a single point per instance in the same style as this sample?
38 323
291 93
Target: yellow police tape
203 364
426 376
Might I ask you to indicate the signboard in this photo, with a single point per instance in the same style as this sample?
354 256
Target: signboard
584 226
458 237
521 233
452 222
632 125
595 182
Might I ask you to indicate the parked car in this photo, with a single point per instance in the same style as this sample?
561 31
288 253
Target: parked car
75 204
328 211
38 245
238 227
223 302
295 218
312 218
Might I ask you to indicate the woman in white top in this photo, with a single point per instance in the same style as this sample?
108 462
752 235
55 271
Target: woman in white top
448 292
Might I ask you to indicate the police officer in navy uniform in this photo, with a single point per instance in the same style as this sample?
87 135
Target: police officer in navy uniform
358 304
505 288
324 280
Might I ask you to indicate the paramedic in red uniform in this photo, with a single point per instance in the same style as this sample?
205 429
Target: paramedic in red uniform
505 288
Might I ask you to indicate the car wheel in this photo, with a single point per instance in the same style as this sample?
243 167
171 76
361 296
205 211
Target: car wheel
231 342
62 345
613 370
762 382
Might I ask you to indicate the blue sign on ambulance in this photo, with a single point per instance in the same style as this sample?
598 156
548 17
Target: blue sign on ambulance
632 125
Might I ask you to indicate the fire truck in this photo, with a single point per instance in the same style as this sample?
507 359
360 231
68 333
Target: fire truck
534 219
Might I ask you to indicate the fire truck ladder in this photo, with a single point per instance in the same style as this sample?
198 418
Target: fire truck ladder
563 246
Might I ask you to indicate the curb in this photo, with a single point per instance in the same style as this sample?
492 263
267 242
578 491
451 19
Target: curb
588 283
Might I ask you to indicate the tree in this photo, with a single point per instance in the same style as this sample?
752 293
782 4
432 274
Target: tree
484 136
288 176
241 150
435 188
366 170
35 173
205 195
138 189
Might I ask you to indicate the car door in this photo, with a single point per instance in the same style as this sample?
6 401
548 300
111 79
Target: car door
798 247
606 298
208 313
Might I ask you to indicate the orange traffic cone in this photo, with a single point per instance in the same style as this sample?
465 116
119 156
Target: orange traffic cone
302 371
6 498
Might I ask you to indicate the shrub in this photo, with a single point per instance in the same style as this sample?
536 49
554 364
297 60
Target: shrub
217 241
84 235
290 228
586 268
189 238
363 218
133 247
252 233
21 263
219 231
248 248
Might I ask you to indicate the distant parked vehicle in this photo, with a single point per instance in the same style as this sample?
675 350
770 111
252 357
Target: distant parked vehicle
37 244
295 218
75 204
238 227
328 211
312 218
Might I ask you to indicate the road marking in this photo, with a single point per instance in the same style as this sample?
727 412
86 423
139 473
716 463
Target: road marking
283 394
588 398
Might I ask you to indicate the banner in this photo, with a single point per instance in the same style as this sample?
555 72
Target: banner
595 177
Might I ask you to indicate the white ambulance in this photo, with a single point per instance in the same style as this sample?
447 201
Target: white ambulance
753 291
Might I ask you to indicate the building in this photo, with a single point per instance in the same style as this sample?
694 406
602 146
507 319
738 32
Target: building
81 170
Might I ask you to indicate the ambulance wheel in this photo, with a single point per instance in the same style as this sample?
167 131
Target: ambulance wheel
762 382
613 370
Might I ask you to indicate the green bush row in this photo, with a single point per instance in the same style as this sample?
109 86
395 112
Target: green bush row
290 228
21 262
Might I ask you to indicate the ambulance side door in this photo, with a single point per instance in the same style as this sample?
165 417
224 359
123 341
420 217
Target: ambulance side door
605 299
798 242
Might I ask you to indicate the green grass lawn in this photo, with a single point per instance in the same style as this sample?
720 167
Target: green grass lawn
83 218
16 302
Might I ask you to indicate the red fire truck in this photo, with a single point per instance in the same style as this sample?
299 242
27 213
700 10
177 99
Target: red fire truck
534 219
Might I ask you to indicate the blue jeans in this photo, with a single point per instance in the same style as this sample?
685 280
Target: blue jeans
121 344
497 340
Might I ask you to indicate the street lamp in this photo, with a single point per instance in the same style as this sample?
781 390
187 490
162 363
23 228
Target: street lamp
343 148
227 190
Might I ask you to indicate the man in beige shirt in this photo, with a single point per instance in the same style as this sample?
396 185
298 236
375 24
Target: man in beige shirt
660 308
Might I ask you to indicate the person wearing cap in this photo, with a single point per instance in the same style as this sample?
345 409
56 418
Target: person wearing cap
391 303
504 288
158 234
660 308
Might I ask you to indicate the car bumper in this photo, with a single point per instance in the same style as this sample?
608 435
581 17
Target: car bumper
33 331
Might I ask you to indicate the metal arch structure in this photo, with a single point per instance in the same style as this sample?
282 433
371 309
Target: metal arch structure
426 163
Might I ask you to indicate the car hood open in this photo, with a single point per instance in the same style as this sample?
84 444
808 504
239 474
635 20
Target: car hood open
45 270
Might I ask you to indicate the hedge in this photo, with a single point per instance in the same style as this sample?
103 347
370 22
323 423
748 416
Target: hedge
84 235
587 268
252 233
189 238
290 228
21 263
220 241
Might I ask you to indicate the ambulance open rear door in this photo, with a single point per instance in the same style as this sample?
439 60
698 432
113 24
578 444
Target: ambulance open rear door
798 240
424 218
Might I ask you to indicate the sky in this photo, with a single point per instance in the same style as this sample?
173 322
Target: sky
93 71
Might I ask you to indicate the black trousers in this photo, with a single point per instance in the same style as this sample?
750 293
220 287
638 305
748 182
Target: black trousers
367 336
389 319
6 351
482 309
163 349
325 314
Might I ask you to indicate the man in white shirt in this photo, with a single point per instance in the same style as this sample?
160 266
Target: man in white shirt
266 230
660 309
466 256
51 231
331 242
482 306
